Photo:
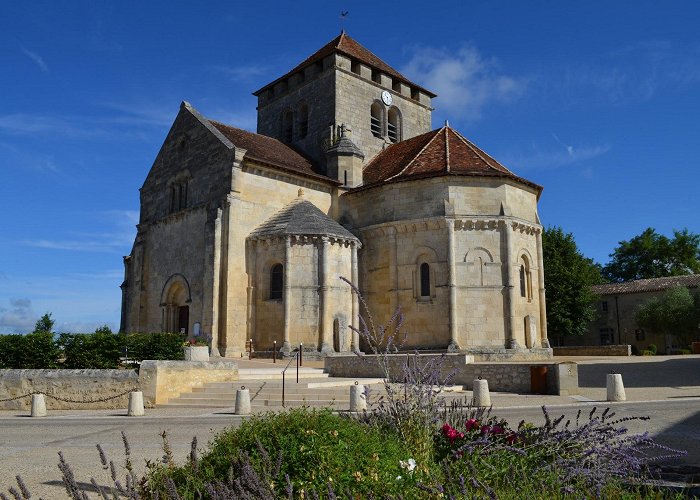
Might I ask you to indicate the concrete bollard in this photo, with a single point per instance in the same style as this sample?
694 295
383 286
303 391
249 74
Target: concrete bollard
242 401
38 405
616 391
135 404
358 398
481 396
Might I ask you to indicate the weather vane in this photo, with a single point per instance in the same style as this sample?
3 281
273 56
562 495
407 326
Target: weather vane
343 15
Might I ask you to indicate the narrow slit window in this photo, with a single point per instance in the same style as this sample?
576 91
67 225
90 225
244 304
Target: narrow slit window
425 280
276 282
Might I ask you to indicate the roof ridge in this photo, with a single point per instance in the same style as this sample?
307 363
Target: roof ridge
447 148
478 152
415 156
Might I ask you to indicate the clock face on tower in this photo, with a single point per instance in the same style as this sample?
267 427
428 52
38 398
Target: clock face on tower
386 98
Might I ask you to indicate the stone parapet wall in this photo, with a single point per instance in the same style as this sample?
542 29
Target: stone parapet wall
163 380
74 385
602 350
561 378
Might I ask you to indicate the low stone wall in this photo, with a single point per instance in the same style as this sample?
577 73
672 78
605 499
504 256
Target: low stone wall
601 350
73 385
534 354
519 377
163 380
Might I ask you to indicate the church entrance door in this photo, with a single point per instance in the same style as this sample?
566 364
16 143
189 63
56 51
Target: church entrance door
183 319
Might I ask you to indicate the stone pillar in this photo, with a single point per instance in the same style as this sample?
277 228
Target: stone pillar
544 341
252 276
325 320
215 298
454 344
511 343
355 301
393 272
286 291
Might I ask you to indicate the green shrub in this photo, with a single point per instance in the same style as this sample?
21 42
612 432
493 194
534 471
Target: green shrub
652 348
684 351
154 346
647 353
91 350
317 447
33 350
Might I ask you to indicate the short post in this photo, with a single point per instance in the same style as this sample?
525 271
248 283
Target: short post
274 351
616 391
481 396
38 405
358 398
135 404
242 401
301 354
250 352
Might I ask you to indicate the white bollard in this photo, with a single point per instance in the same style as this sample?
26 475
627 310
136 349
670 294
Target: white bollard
616 391
38 405
242 401
135 404
481 396
358 398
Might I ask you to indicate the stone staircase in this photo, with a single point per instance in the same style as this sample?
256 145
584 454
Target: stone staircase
315 389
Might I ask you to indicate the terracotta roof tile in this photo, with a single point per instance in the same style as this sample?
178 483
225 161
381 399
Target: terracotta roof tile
346 45
440 152
648 285
269 151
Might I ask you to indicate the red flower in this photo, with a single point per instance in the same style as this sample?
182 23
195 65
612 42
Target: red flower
472 424
511 438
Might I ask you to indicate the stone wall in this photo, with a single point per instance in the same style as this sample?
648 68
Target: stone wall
561 378
81 385
163 380
601 350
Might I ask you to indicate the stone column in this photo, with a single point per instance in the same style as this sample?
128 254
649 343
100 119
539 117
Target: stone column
355 301
286 291
325 320
544 341
454 344
393 272
511 343
215 299
252 276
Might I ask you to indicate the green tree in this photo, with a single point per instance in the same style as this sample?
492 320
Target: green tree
675 313
44 324
653 255
568 279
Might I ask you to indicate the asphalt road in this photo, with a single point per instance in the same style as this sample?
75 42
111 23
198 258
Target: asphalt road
29 447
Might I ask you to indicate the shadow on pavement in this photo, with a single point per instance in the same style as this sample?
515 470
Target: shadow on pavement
669 373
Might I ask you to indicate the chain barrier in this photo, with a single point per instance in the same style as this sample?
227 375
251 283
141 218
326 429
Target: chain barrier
64 400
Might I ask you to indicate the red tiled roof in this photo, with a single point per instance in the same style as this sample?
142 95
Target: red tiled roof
440 152
648 285
346 45
268 150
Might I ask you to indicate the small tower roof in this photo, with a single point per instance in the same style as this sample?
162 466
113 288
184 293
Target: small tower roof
442 151
343 44
301 218
345 146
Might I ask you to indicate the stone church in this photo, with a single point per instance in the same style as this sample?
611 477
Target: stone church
245 235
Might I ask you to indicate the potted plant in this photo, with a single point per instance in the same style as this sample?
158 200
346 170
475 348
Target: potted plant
196 350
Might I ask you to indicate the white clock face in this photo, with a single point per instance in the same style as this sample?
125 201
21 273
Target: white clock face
386 98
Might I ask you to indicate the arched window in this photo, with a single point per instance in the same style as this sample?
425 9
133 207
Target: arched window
394 124
303 115
276 281
377 119
525 278
287 126
425 279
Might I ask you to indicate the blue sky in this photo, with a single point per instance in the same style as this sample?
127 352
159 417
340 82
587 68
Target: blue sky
597 101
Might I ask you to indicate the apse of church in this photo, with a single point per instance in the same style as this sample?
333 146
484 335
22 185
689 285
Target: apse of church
245 235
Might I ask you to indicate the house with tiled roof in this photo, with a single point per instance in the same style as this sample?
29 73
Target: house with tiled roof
617 306
244 236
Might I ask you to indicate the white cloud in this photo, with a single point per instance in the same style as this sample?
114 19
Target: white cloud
19 317
244 73
464 81
558 155
38 60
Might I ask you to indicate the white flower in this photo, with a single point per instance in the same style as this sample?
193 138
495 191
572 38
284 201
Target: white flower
409 464
398 478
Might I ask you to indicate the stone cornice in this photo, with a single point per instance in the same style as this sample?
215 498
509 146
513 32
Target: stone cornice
470 223
301 239
285 176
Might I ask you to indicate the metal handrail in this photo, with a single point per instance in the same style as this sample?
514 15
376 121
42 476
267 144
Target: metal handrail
296 356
